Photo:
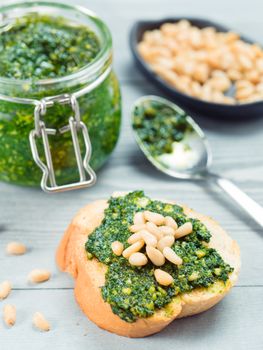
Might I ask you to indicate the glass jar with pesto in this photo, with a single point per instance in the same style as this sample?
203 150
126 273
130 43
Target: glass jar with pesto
56 84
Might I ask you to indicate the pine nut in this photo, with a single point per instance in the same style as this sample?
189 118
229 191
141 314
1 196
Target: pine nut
138 259
242 94
166 241
243 84
155 256
253 76
5 289
139 218
40 322
259 87
148 238
172 256
245 62
134 248
183 230
153 229
136 228
15 248
134 238
219 83
9 314
201 73
259 65
163 278
156 218
38 276
169 221
166 230
234 74
117 248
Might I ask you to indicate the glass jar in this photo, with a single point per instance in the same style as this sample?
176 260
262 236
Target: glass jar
94 88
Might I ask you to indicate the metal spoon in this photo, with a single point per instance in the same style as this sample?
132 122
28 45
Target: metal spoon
194 165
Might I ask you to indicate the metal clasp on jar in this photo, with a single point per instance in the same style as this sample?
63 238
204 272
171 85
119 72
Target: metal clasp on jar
75 125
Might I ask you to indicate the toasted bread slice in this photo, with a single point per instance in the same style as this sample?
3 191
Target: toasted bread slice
90 276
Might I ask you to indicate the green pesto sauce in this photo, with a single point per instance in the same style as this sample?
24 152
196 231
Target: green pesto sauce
159 126
132 291
37 47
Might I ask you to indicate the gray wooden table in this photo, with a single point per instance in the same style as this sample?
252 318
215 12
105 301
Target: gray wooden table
39 220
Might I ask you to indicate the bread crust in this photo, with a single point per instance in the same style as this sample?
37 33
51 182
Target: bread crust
90 276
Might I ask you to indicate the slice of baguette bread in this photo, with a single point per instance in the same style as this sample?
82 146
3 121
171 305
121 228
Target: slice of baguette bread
90 276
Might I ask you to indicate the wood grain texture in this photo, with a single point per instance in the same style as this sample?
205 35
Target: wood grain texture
39 220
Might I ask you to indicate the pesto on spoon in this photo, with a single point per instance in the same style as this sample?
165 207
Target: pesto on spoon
174 143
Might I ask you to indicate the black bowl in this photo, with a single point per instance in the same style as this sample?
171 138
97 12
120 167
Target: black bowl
189 103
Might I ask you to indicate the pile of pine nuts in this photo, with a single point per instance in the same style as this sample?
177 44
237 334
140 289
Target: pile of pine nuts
158 233
35 276
205 63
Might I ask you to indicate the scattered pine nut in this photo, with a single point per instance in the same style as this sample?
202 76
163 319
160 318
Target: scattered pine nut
134 248
169 221
172 256
139 218
5 289
38 276
163 278
155 256
138 259
184 230
9 314
166 241
156 218
40 322
117 248
15 248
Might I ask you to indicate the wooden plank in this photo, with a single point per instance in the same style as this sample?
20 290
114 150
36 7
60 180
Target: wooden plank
39 219
237 320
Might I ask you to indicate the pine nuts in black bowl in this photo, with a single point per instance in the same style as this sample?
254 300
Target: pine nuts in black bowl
206 68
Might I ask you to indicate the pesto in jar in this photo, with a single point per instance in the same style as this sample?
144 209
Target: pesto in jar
133 291
34 48
39 47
